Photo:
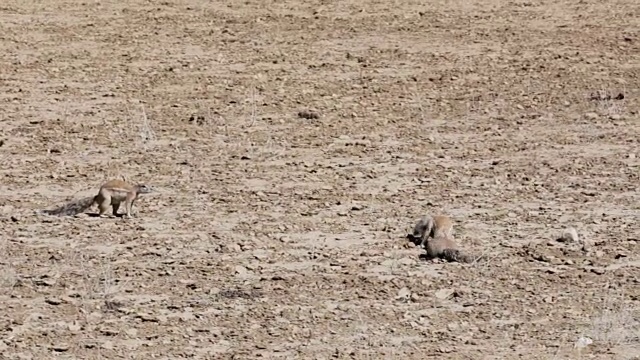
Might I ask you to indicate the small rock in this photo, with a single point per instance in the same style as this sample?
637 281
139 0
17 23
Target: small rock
403 294
241 270
94 317
541 257
53 301
407 260
591 116
44 282
444 293
260 254
60 347
146 317
569 235
186 282
214 291
582 342
308 114
231 248
615 117
109 331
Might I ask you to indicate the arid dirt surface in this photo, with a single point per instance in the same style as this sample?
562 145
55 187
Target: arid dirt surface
292 146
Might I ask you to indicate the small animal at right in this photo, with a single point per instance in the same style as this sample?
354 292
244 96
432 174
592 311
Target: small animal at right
435 235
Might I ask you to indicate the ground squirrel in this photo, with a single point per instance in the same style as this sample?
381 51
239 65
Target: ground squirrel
445 247
112 193
432 226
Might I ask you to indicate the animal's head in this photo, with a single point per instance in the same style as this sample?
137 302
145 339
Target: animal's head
424 227
144 189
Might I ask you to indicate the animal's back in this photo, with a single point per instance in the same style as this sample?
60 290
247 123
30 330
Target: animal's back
116 189
436 246
445 247
117 185
443 226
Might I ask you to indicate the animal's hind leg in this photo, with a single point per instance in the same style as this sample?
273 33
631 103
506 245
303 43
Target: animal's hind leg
103 205
115 205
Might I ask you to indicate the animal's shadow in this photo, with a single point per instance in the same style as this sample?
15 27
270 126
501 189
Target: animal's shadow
97 215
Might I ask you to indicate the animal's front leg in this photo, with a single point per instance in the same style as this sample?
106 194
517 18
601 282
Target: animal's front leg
129 204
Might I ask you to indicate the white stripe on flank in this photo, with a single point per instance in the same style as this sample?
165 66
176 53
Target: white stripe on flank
119 189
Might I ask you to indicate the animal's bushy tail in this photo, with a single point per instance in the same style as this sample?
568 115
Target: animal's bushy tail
458 256
72 208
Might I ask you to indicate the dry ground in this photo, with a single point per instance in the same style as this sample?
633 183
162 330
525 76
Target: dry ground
276 236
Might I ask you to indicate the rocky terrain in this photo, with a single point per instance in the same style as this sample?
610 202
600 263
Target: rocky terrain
293 145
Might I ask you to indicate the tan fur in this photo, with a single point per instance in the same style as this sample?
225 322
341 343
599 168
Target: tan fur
111 194
433 226
444 247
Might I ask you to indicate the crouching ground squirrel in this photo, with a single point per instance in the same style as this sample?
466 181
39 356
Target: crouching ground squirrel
111 194
435 234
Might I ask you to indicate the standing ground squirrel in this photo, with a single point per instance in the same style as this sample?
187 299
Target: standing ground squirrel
432 226
445 247
111 193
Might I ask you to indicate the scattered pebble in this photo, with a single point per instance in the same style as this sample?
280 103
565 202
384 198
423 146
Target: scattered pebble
53 301
444 293
308 114
403 294
582 342
569 235
62 347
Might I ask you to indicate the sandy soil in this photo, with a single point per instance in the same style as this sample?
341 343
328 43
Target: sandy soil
277 235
